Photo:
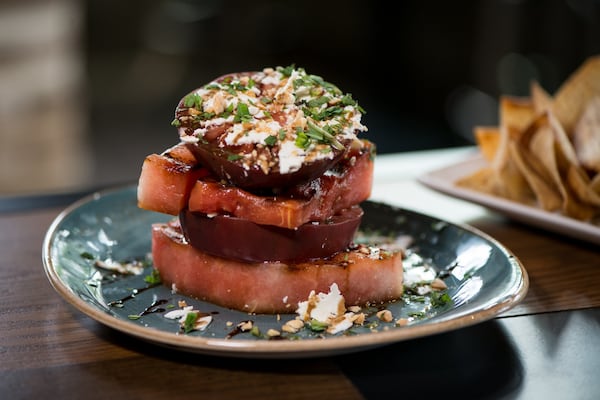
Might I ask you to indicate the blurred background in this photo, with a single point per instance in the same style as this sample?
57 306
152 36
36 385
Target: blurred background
89 88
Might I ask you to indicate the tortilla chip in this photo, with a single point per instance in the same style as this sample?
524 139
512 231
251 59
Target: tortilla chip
487 139
513 184
586 136
547 196
516 113
576 92
580 183
575 209
482 180
542 147
565 146
536 143
595 183
541 100
545 151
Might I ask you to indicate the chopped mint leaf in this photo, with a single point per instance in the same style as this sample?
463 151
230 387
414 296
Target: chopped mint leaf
318 326
234 157
190 322
153 278
271 140
242 114
302 140
287 71
193 100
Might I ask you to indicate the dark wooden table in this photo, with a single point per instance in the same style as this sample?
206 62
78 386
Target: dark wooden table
547 347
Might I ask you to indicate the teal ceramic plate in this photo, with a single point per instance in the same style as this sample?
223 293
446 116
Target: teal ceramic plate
484 279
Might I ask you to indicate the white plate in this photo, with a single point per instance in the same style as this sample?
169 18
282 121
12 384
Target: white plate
443 180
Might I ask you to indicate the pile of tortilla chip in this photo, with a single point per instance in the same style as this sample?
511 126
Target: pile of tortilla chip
546 150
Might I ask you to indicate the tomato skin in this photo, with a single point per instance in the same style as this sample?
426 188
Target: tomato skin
240 239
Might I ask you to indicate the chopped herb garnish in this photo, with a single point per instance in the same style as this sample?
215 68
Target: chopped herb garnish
347 100
318 102
302 140
133 317
318 326
190 322
239 86
203 116
255 331
153 278
242 114
87 256
326 137
271 140
328 113
439 299
329 86
234 157
193 100
287 71
417 314
287 96
316 91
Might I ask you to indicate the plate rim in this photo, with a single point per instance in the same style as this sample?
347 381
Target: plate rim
443 180
277 349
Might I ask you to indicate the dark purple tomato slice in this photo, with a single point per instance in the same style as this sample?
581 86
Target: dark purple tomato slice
248 166
219 161
240 239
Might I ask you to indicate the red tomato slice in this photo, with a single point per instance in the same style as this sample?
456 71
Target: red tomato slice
167 179
316 200
272 287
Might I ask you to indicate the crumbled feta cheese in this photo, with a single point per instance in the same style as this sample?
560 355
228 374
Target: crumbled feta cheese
130 268
239 137
419 274
181 315
323 306
341 324
291 157
215 104
218 121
